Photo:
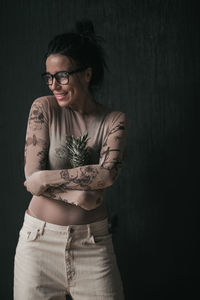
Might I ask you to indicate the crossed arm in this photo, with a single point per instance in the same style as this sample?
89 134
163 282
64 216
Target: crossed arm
57 184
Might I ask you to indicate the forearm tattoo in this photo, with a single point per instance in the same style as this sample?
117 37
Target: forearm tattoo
83 178
56 188
54 192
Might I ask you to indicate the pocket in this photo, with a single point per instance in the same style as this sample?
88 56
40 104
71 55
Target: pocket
29 234
101 238
104 242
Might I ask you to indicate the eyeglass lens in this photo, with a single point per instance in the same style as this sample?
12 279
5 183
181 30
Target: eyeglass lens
61 77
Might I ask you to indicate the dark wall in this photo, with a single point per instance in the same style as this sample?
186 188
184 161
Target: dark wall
153 55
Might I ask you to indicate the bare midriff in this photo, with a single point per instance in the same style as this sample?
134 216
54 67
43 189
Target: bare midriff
58 212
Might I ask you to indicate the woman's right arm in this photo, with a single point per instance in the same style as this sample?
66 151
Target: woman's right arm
37 137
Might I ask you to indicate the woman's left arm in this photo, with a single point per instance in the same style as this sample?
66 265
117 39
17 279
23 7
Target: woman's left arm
90 177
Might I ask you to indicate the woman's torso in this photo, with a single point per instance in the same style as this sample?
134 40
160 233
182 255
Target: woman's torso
64 122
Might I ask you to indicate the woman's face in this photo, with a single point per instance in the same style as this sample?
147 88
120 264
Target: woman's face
76 91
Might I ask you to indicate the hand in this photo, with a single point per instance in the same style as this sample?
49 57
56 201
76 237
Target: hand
35 183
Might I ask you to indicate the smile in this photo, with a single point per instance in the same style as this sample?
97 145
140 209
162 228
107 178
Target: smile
60 96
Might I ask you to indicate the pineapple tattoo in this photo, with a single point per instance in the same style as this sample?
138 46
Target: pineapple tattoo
77 153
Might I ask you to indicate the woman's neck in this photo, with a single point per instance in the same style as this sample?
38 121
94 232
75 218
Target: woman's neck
87 106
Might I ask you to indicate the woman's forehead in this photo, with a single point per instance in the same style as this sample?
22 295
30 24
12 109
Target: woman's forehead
57 62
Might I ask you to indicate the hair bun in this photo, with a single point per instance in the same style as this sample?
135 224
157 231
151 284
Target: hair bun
85 27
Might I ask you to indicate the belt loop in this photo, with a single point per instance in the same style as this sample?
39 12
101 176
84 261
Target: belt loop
89 230
42 225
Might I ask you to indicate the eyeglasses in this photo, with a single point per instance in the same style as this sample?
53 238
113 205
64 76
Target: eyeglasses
62 77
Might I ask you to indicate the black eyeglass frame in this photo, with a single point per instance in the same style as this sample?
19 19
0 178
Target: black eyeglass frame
66 72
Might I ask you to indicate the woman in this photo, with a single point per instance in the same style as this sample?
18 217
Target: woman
73 152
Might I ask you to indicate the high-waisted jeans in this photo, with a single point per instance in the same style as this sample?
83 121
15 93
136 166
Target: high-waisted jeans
53 260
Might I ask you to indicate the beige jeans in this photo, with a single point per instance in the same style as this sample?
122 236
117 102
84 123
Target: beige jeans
53 260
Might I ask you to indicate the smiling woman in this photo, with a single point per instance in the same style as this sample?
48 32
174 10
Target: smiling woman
72 89
73 152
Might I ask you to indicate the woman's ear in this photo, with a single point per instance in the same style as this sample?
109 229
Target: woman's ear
88 74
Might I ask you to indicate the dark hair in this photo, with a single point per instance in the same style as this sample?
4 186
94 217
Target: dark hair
84 47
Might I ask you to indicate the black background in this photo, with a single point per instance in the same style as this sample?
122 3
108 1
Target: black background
153 55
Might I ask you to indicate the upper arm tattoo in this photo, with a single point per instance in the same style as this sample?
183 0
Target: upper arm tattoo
111 158
36 117
37 139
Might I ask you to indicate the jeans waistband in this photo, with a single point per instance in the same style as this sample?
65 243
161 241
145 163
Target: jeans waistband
35 222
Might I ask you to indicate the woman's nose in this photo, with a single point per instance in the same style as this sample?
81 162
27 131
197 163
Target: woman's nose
55 85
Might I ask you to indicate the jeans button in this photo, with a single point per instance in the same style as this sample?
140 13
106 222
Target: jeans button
71 230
